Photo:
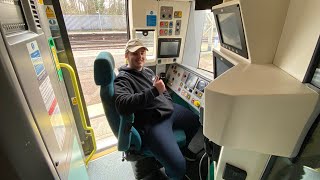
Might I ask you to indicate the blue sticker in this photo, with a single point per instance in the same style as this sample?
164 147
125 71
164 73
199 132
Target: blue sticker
151 19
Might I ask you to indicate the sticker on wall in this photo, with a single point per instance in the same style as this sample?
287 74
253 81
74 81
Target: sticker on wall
74 101
47 93
151 18
53 24
36 59
53 110
40 2
50 12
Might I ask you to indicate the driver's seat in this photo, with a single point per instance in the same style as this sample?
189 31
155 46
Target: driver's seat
129 139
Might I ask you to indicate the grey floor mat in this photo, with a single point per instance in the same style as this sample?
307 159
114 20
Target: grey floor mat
110 167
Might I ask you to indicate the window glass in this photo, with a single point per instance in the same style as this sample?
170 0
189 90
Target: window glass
147 38
94 27
316 77
306 165
210 40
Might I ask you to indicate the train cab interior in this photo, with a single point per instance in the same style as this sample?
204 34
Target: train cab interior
250 70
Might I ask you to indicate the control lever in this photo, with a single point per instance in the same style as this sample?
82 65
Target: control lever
162 76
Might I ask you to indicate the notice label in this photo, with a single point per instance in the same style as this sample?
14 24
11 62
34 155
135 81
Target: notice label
47 93
151 18
36 58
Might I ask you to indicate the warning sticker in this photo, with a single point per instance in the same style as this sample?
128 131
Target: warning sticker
50 12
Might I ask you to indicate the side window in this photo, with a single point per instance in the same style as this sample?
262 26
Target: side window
210 40
93 27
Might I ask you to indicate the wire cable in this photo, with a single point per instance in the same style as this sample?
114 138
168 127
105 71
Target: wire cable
200 164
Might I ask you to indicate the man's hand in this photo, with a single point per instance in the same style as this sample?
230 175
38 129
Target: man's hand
158 83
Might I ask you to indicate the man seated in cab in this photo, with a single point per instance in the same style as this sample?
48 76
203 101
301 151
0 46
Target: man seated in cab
139 91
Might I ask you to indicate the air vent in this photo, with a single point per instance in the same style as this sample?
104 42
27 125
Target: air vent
15 2
35 13
14 27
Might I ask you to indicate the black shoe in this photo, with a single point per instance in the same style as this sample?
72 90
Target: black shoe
190 156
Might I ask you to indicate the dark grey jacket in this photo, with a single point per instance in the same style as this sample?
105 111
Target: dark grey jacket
135 93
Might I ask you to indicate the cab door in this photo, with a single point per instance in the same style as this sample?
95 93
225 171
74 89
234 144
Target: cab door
27 50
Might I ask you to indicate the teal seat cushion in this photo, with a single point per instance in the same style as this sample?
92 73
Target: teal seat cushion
180 137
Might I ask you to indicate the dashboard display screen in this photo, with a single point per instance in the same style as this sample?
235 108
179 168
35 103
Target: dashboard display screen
191 81
201 85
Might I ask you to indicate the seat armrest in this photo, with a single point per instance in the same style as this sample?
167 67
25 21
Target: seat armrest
125 133
136 141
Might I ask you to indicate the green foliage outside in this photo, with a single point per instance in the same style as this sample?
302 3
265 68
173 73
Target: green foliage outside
91 7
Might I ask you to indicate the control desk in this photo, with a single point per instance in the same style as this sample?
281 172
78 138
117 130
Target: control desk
187 84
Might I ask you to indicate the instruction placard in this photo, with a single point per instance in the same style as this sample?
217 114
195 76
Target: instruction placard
47 92
36 59
151 18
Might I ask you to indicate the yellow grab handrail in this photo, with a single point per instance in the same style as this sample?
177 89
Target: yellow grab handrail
80 107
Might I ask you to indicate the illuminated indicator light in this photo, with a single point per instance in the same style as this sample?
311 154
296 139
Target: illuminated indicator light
200 94
196 103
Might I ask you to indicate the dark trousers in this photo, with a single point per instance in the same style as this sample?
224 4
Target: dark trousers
160 140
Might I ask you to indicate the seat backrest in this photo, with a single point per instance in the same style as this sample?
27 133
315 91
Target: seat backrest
121 126
104 76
